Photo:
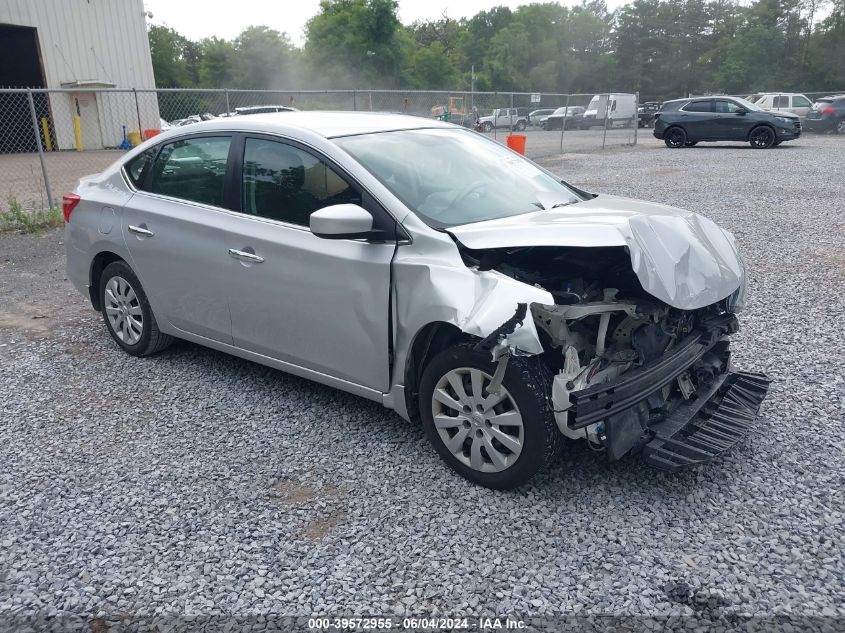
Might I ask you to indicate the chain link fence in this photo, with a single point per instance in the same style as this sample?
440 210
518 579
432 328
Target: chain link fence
51 138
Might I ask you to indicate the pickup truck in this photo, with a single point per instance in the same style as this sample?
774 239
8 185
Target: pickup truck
504 117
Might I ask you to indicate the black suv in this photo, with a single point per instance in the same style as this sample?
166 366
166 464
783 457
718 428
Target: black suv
685 122
827 115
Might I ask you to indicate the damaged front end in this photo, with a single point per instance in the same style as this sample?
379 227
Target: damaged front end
632 372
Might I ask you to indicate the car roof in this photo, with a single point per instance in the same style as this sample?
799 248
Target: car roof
326 124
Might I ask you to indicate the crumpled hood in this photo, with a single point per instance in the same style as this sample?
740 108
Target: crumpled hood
680 257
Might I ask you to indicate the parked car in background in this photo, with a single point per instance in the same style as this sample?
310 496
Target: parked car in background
570 117
782 101
430 269
503 117
194 118
610 110
263 109
686 122
646 112
536 117
827 115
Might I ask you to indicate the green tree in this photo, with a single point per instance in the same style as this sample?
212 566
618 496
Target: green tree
170 62
353 42
262 59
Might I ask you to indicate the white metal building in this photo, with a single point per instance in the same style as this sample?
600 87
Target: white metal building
80 45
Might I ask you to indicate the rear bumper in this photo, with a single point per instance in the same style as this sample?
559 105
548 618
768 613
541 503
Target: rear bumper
819 125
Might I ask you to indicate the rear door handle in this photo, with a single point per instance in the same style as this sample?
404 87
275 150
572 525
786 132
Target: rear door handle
140 230
244 256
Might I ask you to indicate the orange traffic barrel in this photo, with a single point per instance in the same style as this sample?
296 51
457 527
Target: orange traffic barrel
516 142
150 132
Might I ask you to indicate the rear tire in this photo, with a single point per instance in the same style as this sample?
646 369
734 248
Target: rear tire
675 138
486 126
526 423
127 312
840 127
520 126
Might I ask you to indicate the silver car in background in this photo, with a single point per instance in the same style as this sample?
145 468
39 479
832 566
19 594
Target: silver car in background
426 267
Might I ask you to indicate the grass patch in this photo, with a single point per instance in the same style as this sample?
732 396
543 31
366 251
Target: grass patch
19 220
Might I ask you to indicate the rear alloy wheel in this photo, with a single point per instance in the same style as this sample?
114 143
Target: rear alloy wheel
840 127
499 439
762 137
675 138
127 313
520 125
486 126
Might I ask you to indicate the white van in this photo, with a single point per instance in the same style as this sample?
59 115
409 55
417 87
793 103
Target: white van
621 111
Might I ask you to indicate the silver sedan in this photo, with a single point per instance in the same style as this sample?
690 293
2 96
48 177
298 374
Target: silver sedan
433 270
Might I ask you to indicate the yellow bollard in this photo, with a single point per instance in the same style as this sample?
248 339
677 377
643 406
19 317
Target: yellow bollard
77 132
48 142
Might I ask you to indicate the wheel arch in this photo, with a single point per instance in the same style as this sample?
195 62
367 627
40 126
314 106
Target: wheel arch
98 265
429 341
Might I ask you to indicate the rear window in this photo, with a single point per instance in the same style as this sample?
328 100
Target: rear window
137 168
698 106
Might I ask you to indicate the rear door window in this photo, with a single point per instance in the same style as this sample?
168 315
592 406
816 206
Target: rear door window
192 169
781 101
698 106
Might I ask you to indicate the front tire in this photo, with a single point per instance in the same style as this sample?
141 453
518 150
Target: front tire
762 137
675 138
127 312
495 440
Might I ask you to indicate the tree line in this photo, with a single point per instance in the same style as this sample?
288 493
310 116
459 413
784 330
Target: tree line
661 48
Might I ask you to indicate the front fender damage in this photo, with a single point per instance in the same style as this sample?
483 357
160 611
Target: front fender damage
476 302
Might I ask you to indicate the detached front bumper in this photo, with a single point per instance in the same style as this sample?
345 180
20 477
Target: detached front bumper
675 431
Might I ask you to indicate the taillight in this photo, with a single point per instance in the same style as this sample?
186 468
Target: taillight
827 110
69 202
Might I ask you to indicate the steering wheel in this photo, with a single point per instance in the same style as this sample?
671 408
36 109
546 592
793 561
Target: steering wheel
466 192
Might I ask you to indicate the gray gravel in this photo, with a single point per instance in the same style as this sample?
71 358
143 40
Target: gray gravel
196 483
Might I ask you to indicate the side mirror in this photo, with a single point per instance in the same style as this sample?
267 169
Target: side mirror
341 221
741 111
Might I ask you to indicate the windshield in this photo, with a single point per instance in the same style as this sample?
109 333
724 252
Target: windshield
747 104
451 177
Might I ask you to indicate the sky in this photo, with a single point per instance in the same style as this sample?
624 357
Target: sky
196 19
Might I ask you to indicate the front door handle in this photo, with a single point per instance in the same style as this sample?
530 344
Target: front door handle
246 257
140 230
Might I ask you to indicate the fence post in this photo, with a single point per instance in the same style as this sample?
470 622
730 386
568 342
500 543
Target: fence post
606 115
40 148
636 114
354 100
138 112
511 114
563 124
228 109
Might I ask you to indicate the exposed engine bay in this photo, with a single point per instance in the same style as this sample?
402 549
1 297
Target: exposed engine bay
623 361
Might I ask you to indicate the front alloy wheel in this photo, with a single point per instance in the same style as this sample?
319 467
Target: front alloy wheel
498 438
762 137
481 430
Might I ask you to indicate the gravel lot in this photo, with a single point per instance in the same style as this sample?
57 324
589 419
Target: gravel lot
196 483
